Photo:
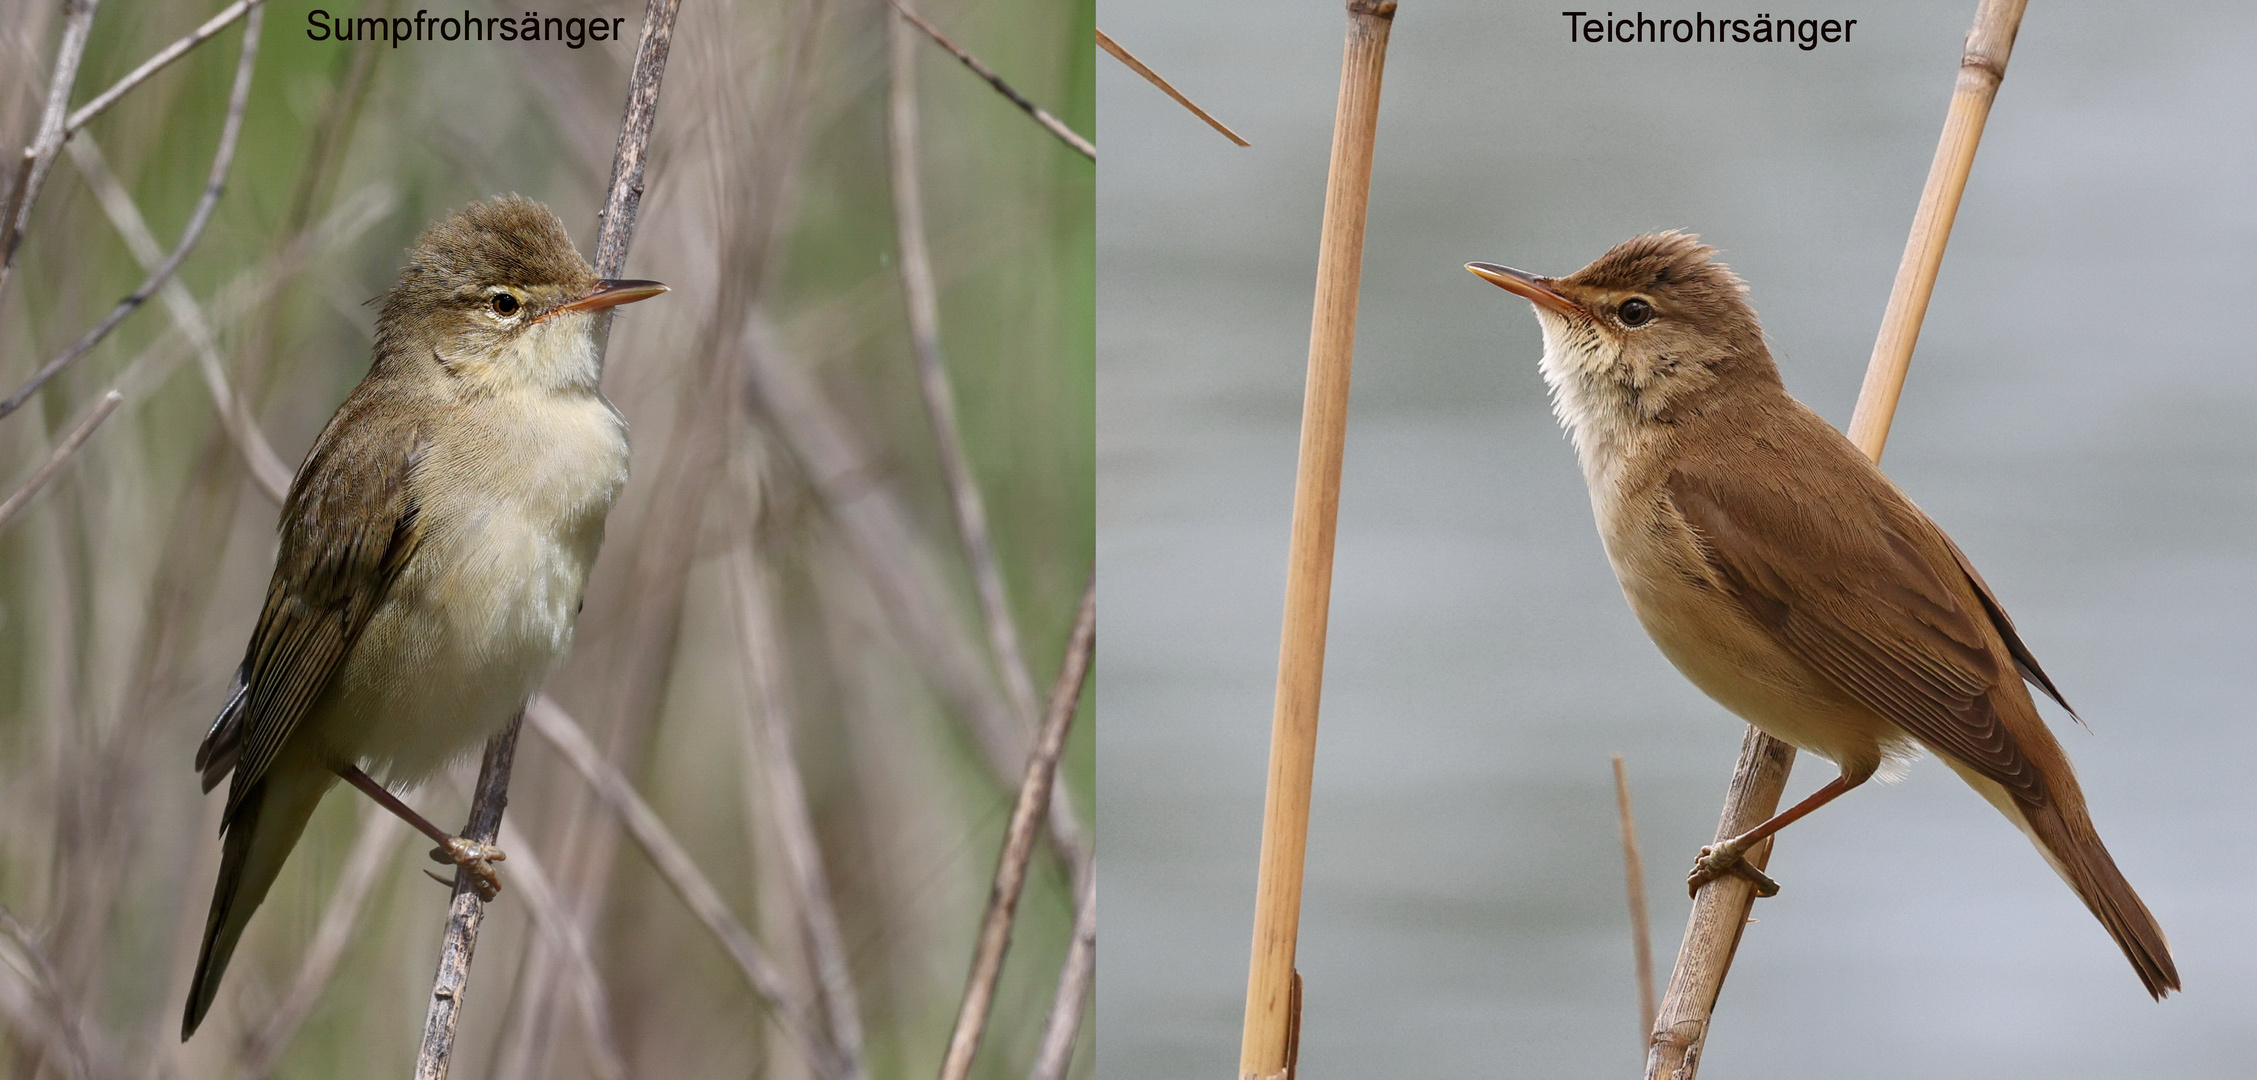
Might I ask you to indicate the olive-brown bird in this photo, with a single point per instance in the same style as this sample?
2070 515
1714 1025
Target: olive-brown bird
1790 580
435 545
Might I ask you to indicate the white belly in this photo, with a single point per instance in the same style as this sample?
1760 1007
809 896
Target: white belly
486 607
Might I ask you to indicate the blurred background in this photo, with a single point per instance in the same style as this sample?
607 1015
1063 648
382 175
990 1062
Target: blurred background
2077 417
784 557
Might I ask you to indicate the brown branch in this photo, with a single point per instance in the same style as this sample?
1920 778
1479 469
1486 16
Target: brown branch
213 184
1720 910
678 870
1634 881
768 749
76 438
1049 123
1063 1027
615 233
1018 841
1153 77
922 299
900 567
154 64
465 913
1265 1047
39 157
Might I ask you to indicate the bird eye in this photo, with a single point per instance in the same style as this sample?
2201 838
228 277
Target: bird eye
505 305
1635 312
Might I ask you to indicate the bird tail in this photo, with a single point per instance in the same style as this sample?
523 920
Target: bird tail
2065 836
257 837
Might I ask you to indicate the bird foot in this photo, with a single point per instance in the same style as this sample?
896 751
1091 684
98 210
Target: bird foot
1717 860
475 859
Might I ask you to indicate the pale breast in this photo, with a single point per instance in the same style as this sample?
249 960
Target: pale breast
1712 640
513 516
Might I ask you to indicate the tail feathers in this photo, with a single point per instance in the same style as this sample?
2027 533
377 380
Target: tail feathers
2077 854
258 836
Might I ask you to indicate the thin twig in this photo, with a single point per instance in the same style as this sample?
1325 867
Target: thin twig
922 300
379 834
69 1031
769 755
1075 976
1266 1045
465 913
1720 910
1982 66
202 216
39 157
615 233
901 568
1634 881
62 453
1049 123
267 468
154 64
1153 77
675 866
1018 841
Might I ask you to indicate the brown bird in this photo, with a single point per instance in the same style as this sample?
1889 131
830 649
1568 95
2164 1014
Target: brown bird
1789 579
435 546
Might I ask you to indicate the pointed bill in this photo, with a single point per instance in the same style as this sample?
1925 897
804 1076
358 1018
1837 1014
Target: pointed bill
615 293
1534 289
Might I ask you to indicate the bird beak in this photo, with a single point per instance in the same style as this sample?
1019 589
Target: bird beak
1528 286
613 294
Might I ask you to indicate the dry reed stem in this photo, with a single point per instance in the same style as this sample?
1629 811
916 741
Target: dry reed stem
62 1028
156 63
678 870
1018 841
1049 123
74 439
466 913
1720 911
1264 1049
39 156
922 300
1153 77
267 468
1982 66
615 234
1634 881
901 569
200 217
767 737
379 834
1063 1027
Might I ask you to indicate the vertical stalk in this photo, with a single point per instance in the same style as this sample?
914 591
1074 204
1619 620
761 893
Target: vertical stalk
1720 912
1266 1048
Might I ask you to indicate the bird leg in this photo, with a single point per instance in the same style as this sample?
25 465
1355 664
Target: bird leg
475 859
1726 857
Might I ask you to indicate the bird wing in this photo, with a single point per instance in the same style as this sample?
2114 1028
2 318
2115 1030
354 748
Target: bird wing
349 528
1868 593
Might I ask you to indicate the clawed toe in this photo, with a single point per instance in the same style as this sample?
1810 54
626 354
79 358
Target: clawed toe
477 860
1717 860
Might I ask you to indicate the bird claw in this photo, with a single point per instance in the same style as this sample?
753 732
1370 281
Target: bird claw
475 859
1717 860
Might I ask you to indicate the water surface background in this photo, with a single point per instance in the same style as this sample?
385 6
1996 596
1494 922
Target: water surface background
2078 417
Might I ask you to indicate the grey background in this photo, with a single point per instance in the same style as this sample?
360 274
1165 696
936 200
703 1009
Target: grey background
2078 417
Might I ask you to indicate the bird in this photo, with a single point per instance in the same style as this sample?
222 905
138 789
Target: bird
435 547
1785 576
